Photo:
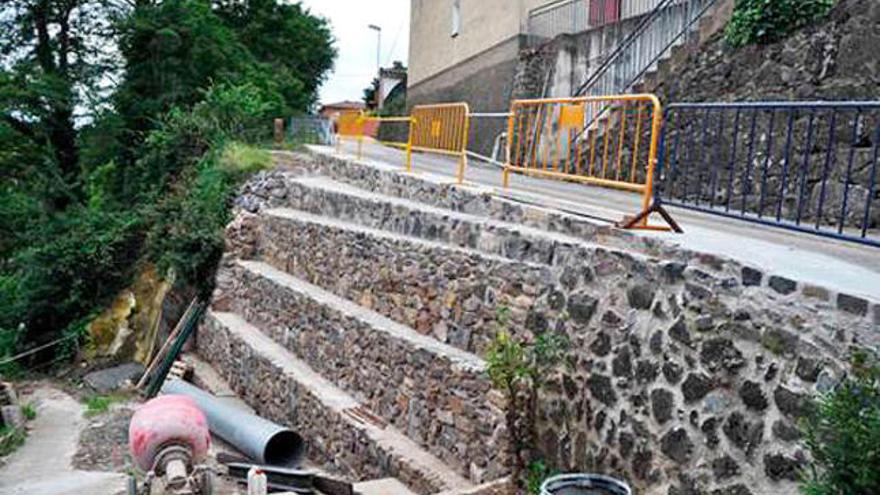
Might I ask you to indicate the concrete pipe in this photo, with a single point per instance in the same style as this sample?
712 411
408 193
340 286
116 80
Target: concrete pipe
263 441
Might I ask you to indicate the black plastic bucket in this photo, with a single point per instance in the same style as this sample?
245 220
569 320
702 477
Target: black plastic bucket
584 484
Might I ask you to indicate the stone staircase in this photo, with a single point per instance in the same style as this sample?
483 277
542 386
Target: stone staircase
354 303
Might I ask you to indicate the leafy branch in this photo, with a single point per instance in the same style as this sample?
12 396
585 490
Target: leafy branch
518 368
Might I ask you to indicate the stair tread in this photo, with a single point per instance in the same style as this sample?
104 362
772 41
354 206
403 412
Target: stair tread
466 360
329 184
303 216
337 400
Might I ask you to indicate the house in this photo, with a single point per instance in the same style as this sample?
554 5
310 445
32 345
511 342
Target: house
465 50
332 111
392 83
468 50
487 52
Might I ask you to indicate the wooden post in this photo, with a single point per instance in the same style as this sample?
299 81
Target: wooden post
279 131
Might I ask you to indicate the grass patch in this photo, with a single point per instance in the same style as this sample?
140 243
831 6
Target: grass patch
238 157
11 439
29 411
99 404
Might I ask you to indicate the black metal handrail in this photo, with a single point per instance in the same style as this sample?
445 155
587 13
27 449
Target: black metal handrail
627 42
669 45
633 37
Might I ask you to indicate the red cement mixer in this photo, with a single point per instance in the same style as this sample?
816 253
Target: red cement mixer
169 439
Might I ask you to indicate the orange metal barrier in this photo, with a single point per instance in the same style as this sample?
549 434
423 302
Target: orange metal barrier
351 125
442 129
609 141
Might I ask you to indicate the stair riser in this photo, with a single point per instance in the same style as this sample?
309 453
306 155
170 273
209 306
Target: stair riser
442 405
450 294
448 196
333 440
428 225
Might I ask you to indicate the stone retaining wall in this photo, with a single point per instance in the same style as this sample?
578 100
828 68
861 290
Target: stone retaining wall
332 441
443 195
451 294
685 374
441 403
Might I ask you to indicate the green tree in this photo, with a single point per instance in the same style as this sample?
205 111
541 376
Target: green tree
296 47
172 50
117 141
53 56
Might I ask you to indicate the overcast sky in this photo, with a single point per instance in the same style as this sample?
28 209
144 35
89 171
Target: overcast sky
356 63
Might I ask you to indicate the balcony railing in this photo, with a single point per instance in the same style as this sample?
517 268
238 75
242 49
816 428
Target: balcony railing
576 16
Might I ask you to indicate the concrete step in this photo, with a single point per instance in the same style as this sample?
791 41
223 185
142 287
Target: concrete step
327 197
341 433
450 293
439 395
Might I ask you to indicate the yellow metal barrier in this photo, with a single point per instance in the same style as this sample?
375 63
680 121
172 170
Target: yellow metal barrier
442 129
407 146
609 141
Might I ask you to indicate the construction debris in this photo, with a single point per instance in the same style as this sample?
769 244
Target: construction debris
290 480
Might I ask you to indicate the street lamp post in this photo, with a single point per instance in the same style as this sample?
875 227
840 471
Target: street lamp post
378 45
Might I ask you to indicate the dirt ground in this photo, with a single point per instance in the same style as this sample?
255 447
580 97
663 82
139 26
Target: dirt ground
99 442
103 443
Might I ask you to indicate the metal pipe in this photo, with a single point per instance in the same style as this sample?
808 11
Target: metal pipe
260 439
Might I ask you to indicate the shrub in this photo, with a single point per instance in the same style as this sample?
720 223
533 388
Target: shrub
518 368
186 237
170 206
767 21
11 439
843 435
29 411
84 258
538 473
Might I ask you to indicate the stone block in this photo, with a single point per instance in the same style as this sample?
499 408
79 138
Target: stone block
851 304
112 379
12 416
782 285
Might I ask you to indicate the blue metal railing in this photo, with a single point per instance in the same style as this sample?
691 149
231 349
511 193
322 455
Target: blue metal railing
805 166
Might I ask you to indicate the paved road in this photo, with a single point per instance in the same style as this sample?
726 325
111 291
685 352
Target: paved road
43 464
838 265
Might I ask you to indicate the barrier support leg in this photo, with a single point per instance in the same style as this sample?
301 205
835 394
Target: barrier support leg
505 178
338 143
640 221
360 147
409 141
462 164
